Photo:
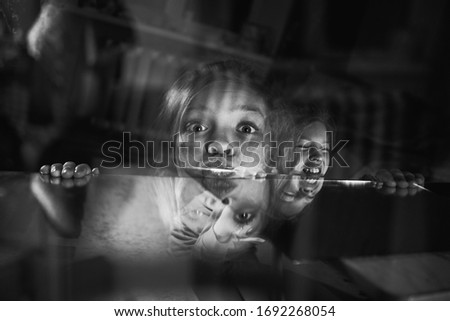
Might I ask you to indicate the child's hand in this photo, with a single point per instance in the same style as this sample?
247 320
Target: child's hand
201 211
68 174
398 182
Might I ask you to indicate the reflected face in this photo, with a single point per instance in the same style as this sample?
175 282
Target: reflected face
243 215
221 119
237 227
306 178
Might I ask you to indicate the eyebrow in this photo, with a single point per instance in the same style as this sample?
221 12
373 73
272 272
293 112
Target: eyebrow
250 108
308 140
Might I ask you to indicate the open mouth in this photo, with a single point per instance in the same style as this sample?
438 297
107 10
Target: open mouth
219 187
288 196
309 191
309 180
312 172
308 177
218 172
219 182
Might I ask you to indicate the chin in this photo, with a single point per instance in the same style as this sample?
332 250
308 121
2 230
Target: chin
294 208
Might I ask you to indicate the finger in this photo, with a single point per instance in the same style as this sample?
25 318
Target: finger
386 177
69 164
95 171
67 183
55 180
45 170
369 177
420 179
82 181
260 175
44 178
399 178
68 170
82 170
410 178
388 190
413 191
55 170
377 183
402 192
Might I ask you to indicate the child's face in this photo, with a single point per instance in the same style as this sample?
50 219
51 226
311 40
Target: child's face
238 225
243 216
306 177
219 120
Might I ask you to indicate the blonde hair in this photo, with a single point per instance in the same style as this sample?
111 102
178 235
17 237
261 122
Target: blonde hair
178 98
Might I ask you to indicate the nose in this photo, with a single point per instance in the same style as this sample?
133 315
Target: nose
315 157
220 148
224 227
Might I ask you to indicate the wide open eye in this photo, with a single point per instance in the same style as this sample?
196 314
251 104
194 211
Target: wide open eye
247 129
195 127
244 217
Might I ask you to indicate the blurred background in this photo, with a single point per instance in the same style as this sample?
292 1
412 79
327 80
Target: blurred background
77 73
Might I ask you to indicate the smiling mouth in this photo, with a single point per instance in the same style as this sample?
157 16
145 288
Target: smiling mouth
312 172
310 178
306 192
310 181
288 196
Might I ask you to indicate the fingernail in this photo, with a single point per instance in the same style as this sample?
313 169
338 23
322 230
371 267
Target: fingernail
55 170
69 164
44 170
67 172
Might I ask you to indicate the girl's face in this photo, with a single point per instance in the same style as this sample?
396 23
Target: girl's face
306 178
243 215
238 225
223 127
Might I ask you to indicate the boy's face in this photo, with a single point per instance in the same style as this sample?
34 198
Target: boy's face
306 178
223 127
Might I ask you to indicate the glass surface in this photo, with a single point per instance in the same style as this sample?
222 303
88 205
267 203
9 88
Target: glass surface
146 237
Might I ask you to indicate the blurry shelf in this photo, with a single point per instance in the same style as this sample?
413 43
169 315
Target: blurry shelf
171 41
